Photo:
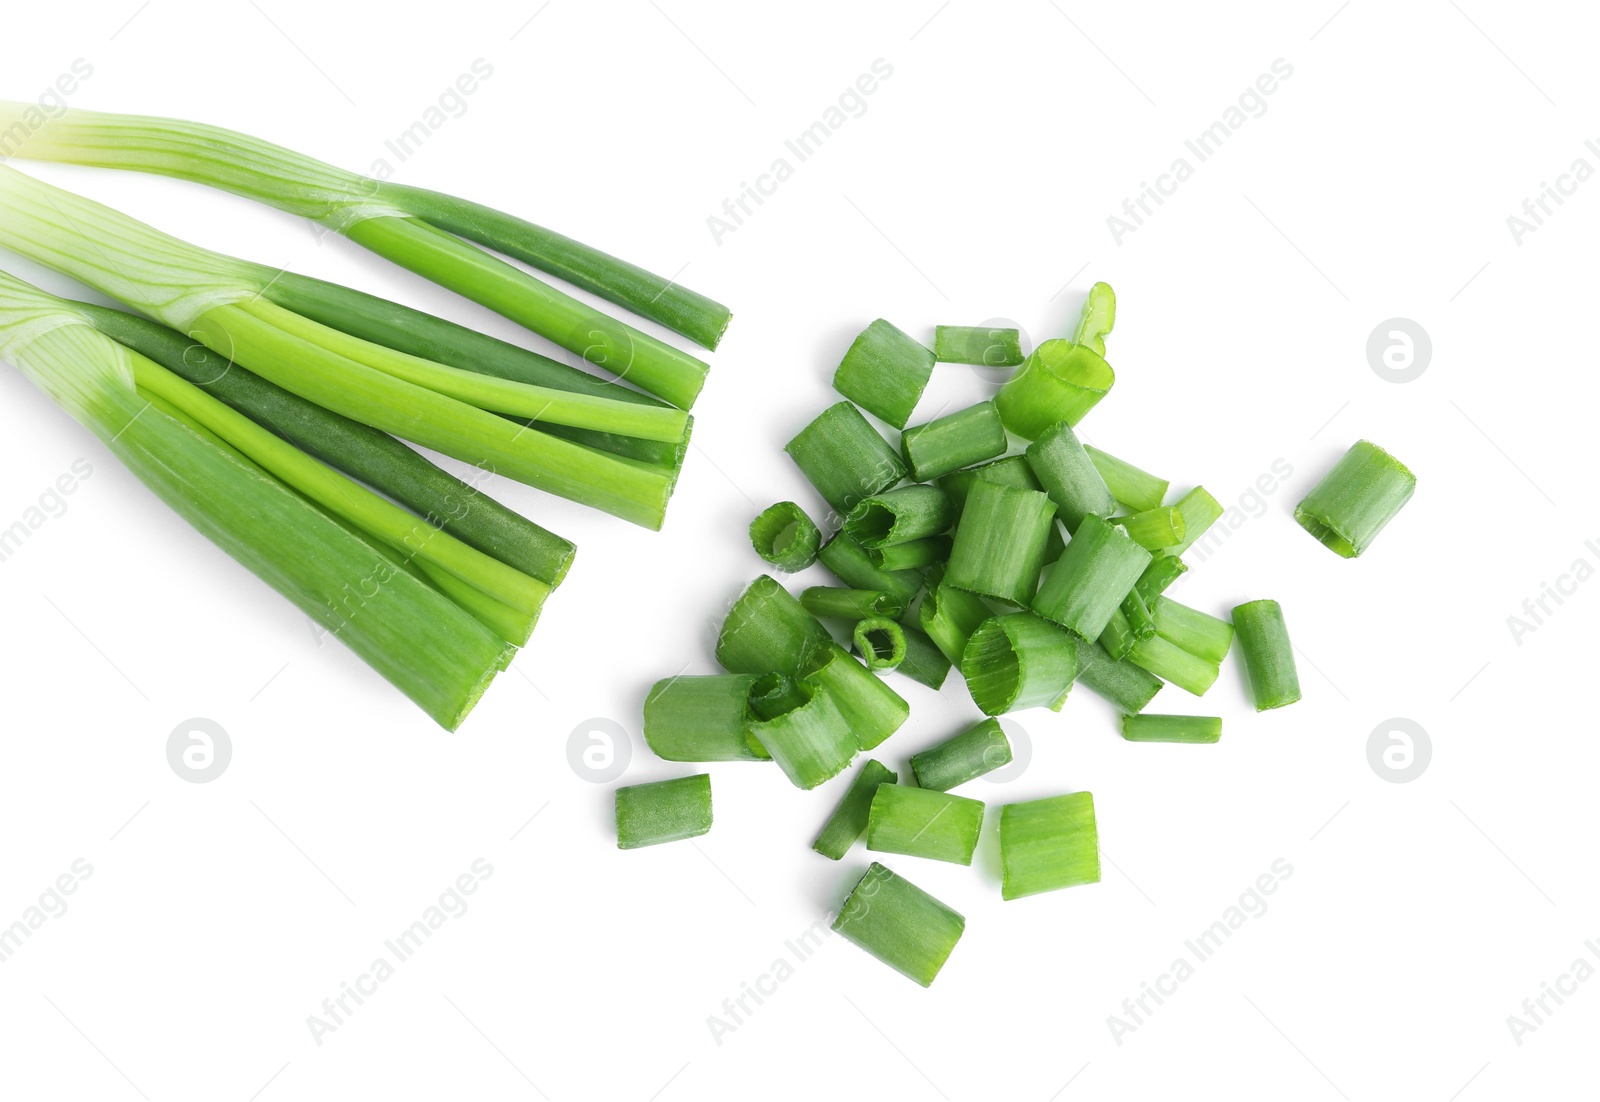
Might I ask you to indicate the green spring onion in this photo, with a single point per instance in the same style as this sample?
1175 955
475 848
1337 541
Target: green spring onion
1060 381
702 718
900 924
1118 638
832 603
977 344
1134 489
1199 633
924 662
663 811
849 820
871 708
919 822
1012 471
1153 728
1067 474
1353 502
978 750
1141 623
949 616
785 537
1199 511
916 555
1175 665
1089 581
1161 573
900 516
1268 654
767 629
801 726
1128 687
853 566
1048 844
1000 542
844 457
1019 661
954 441
885 372
1099 315
880 642
1154 529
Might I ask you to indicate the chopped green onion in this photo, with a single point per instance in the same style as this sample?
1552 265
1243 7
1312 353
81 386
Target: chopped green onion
1067 474
957 440
872 709
1060 381
1019 661
968 756
1154 529
844 457
702 718
1048 844
950 616
1161 573
900 924
911 556
1089 581
1099 315
1199 633
924 661
1199 511
1013 471
1153 728
851 564
1134 489
881 642
1000 542
849 820
785 537
1353 502
900 516
1141 623
663 811
1128 687
885 372
977 344
1268 654
1118 638
832 603
801 726
919 822
767 629
1173 664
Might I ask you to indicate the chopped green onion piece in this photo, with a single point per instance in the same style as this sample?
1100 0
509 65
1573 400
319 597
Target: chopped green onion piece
849 820
785 537
851 564
885 372
844 457
663 811
1019 661
1000 542
900 516
1089 581
1048 844
1067 474
1268 654
767 629
1134 489
1141 623
1161 573
924 661
702 718
968 756
950 616
1099 315
900 924
1173 664
1061 381
977 344
881 642
1118 638
1199 633
1200 511
1154 728
1353 502
871 708
916 555
1014 471
957 440
801 726
832 603
919 822
1154 529
1128 687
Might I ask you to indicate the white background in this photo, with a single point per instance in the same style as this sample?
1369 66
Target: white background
977 184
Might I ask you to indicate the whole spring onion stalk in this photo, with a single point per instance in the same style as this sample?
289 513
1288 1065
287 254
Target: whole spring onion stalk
424 231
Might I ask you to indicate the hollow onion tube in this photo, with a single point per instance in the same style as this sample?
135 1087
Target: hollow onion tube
977 344
1268 655
801 726
849 819
900 516
1135 490
956 440
1069 477
1141 623
1099 315
1019 661
919 822
949 615
1128 687
1161 573
1356 499
924 661
1153 728
1000 542
785 537
1201 634
1175 665
1048 844
832 603
409 226
702 718
1089 581
871 708
1060 381
1199 511
885 372
900 924
1154 529
767 629
663 811
916 555
1013 471
880 642
850 563
844 457
955 761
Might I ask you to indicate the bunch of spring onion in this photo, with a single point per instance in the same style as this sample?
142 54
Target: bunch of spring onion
993 541
270 410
